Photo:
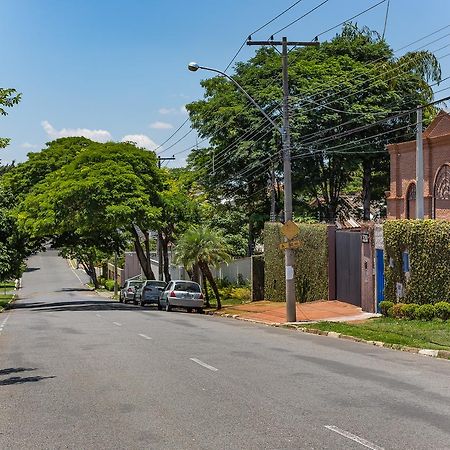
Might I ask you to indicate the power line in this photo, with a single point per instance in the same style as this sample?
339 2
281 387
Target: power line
351 18
259 29
301 17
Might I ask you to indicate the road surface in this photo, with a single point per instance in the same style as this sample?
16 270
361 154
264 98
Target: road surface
81 372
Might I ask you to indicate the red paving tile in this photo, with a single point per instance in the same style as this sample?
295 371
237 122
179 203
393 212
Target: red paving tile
275 312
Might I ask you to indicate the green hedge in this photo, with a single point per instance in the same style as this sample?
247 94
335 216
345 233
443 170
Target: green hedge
311 265
413 311
428 245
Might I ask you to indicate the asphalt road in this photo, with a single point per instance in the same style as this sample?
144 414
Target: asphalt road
80 372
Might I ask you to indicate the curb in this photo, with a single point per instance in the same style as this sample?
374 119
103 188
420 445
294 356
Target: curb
2 309
441 354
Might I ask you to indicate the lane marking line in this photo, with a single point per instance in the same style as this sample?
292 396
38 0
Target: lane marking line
354 438
117 323
144 336
2 325
207 366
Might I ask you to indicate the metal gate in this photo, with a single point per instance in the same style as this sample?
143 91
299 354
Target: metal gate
348 266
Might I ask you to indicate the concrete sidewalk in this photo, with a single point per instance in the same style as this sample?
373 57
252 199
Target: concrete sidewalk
275 312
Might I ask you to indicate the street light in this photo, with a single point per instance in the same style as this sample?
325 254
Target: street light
193 67
284 131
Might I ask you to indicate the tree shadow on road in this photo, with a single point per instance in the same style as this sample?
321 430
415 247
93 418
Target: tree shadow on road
21 380
82 305
15 370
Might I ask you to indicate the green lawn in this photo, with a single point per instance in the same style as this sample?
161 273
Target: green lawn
4 300
412 333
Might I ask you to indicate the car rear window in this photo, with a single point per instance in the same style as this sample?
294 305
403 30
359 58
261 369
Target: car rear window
188 287
135 283
156 283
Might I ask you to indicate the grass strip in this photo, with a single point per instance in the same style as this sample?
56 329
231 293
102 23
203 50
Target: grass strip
434 334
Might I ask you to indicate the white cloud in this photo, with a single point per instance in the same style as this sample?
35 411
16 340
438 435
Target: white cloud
161 125
166 111
27 145
141 140
95 135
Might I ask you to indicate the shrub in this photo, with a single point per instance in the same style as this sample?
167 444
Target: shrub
385 306
442 310
425 312
410 310
242 294
101 281
397 311
109 284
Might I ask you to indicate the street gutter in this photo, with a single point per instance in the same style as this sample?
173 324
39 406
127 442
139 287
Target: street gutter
442 354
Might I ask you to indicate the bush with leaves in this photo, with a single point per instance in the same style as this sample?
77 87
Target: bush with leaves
442 310
425 312
385 306
410 311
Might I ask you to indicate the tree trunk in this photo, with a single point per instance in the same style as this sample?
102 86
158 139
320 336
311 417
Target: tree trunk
195 273
165 254
205 269
366 188
205 285
144 261
89 268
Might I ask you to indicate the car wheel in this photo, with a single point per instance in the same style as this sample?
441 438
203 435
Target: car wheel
189 310
135 302
168 307
141 303
200 310
159 306
120 298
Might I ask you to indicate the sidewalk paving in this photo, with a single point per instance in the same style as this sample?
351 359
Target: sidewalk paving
275 312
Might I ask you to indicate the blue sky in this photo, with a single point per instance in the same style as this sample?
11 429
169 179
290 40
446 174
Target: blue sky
116 69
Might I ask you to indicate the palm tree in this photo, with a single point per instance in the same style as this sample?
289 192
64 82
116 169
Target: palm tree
204 247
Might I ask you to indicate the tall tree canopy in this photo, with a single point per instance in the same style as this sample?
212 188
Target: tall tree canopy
336 89
94 203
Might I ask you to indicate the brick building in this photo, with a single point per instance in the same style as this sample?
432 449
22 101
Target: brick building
401 199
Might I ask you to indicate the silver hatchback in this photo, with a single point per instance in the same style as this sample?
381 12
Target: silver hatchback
182 294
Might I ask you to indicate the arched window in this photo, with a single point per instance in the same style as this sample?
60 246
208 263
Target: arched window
411 201
442 192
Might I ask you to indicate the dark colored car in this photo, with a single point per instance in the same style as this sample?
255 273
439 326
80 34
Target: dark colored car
149 292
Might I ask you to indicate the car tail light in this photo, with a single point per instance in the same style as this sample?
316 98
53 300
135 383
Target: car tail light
201 296
172 294
130 289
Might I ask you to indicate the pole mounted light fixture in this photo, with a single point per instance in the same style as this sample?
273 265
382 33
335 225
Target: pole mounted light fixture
193 67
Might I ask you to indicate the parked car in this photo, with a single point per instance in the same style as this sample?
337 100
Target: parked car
182 294
149 292
127 291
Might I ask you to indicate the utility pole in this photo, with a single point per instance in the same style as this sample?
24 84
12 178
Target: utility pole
162 158
158 242
291 313
419 166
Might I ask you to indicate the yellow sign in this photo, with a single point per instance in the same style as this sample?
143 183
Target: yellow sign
290 244
290 229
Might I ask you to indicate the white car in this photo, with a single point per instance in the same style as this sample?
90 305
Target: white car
182 294
128 290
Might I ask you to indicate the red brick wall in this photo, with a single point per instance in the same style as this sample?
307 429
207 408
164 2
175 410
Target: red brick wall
436 152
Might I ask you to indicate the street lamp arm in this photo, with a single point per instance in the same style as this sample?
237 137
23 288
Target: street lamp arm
246 94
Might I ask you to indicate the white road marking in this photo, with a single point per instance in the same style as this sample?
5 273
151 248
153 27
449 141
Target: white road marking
79 279
207 366
145 336
2 325
98 315
117 323
353 437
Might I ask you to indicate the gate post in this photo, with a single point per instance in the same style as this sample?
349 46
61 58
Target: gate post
367 269
331 234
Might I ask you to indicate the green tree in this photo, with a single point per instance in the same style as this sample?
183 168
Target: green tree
344 84
8 98
94 205
204 247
